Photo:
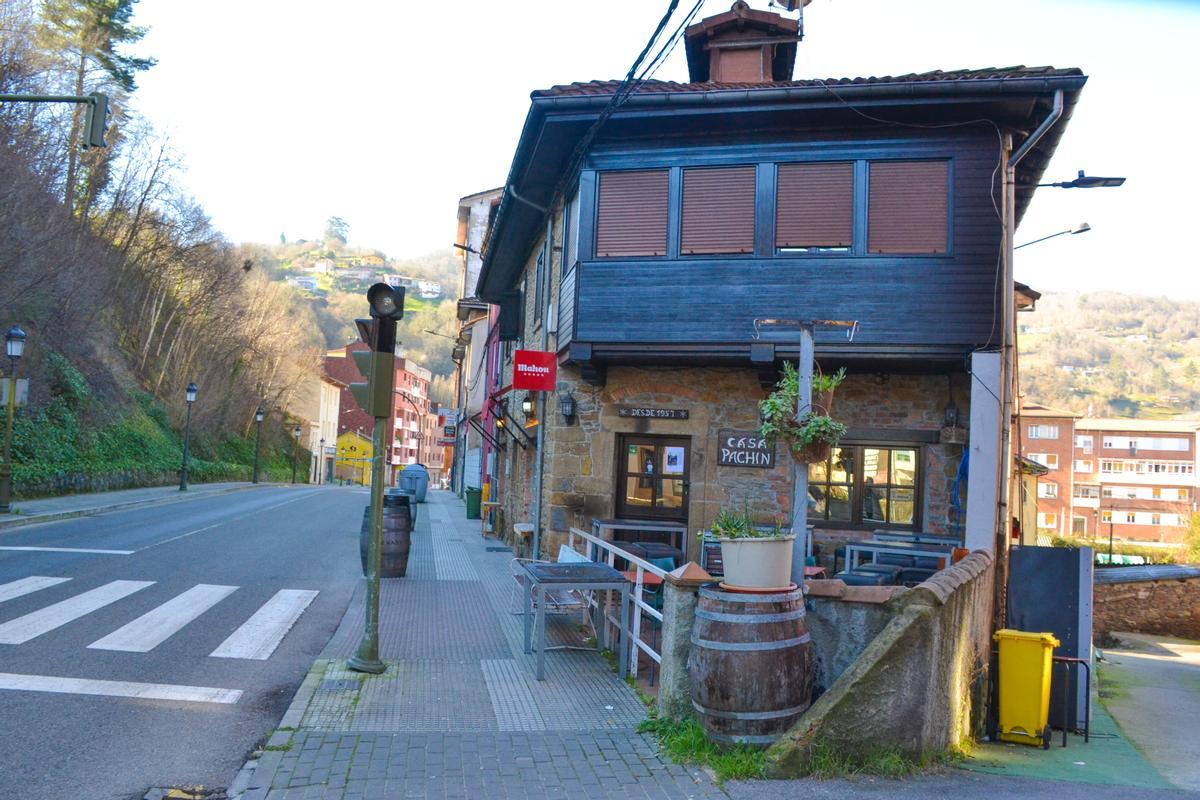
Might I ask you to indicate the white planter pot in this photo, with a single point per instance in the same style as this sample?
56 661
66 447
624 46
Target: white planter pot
758 563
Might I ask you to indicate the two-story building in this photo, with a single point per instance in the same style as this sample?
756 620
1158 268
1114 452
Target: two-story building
641 240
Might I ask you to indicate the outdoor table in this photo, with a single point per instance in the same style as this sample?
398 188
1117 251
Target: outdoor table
581 577
873 546
677 530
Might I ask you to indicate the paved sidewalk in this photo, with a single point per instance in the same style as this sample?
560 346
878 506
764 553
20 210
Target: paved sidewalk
48 509
458 714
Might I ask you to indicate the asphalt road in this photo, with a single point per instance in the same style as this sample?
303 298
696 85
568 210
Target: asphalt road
268 573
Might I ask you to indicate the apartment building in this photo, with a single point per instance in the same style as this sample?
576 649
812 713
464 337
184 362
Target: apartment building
1046 437
1133 479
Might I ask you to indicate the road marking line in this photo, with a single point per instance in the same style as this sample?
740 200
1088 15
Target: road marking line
24 586
258 636
156 626
71 550
225 521
141 691
32 625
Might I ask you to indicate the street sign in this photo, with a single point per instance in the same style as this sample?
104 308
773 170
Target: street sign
22 398
534 370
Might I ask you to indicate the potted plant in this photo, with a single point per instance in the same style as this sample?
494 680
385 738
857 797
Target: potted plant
811 435
754 558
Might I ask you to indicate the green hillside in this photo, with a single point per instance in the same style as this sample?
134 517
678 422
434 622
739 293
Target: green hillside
1112 354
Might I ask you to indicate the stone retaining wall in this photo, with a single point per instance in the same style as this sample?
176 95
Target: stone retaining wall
1169 606
918 687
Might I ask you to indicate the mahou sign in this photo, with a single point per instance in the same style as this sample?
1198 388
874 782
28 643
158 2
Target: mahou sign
533 370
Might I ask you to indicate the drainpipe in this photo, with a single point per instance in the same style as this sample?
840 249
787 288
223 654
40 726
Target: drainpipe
540 452
1008 386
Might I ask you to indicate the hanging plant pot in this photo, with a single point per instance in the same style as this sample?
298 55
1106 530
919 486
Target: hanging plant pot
811 453
822 402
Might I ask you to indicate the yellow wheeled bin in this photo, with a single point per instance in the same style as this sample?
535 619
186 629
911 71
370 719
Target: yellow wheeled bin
1025 664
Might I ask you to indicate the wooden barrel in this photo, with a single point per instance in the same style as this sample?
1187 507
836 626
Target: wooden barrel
395 542
751 664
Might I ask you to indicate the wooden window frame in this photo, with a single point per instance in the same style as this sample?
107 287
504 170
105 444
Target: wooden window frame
856 521
598 208
790 251
747 251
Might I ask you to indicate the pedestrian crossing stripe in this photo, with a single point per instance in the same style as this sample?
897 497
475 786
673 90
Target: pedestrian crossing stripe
140 691
34 624
24 586
256 639
155 627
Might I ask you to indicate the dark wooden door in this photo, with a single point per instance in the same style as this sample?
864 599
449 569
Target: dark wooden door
653 477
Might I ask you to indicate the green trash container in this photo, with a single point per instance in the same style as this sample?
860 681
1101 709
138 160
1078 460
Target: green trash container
474 496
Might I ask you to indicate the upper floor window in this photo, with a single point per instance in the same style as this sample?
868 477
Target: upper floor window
1049 490
1043 431
718 210
908 207
631 214
814 207
1084 443
1047 460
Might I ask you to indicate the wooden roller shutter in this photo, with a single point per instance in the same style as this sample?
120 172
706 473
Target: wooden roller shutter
718 210
814 205
631 217
908 207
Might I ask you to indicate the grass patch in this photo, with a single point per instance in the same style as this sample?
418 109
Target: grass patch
826 762
279 748
685 742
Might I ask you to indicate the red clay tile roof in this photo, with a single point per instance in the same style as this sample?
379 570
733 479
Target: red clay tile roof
666 87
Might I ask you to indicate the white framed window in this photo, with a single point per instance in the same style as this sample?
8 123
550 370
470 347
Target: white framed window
1083 465
1156 519
1130 517
1049 490
1168 443
1043 431
1048 520
1087 492
1047 460
1106 516
1084 442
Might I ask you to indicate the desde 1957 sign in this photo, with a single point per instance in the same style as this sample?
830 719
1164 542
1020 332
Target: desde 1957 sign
533 371
652 413
744 449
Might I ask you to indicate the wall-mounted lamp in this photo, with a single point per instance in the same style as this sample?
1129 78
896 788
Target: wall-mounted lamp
566 406
500 423
527 405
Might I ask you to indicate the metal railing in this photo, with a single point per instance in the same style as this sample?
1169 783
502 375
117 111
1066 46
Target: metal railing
599 550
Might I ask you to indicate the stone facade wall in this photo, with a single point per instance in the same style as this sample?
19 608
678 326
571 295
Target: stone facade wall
1169 607
869 404
918 687
580 458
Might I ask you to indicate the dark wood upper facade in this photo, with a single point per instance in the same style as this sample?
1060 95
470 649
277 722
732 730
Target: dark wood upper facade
697 212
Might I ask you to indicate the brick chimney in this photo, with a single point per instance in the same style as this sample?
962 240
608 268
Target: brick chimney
742 46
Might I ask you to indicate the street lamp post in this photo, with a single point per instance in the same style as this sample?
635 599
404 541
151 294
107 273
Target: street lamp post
258 418
321 461
295 447
14 345
1075 230
187 429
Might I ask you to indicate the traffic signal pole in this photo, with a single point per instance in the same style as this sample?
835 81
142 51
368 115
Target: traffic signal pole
375 398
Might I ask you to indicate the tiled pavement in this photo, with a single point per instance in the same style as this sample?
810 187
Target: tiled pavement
458 713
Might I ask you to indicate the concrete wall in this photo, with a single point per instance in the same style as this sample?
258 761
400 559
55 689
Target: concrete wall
918 686
1169 606
843 620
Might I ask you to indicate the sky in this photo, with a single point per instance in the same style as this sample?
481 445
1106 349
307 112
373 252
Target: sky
288 112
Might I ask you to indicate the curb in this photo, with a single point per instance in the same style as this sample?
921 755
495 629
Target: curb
22 521
244 781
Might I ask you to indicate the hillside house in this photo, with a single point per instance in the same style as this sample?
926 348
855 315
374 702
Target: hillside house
701 207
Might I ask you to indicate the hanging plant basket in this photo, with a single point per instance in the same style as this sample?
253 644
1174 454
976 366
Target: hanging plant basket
811 453
822 402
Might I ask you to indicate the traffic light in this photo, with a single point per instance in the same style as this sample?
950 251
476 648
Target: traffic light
96 121
378 365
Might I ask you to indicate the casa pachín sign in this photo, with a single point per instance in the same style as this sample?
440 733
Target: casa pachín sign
744 449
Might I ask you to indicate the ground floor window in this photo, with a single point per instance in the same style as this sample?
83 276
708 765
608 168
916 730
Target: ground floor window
866 485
